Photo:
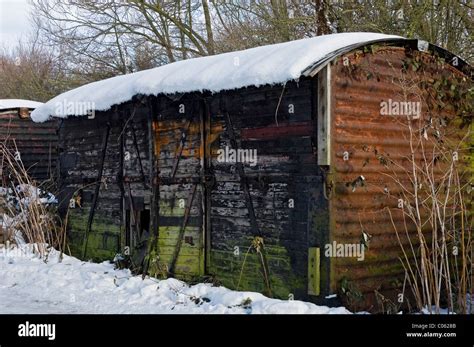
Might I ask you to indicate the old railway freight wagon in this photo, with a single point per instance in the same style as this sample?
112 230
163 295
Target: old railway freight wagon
254 167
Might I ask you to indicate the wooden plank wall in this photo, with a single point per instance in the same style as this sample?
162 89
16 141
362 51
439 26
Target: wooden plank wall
178 150
81 141
285 185
278 123
36 143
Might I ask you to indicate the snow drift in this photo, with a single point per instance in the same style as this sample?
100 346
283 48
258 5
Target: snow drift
28 284
9 104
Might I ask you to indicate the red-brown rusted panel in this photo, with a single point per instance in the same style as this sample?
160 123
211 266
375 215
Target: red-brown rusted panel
363 141
275 131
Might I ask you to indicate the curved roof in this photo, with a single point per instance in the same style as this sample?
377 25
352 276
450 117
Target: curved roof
12 104
272 64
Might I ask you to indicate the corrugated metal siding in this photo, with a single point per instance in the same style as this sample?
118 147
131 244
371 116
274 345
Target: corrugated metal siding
360 130
37 143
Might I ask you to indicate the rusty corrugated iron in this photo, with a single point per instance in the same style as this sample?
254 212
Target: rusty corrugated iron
367 139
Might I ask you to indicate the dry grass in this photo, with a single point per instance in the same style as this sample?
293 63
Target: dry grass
435 202
26 210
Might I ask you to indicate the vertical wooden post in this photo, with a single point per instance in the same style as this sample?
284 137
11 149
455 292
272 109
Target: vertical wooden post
314 270
205 245
324 116
105 140
124 219
154 183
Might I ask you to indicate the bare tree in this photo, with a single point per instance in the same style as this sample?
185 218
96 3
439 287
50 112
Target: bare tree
110 35
447 23
29 71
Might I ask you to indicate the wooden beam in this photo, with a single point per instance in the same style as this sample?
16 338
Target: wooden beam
177 249
155 189
205 128
105 140
324 116
314 271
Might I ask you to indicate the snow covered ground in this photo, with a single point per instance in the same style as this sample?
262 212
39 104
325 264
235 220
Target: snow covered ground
29 285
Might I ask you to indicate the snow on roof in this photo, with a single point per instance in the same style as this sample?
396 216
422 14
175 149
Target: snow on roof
11 104
272 64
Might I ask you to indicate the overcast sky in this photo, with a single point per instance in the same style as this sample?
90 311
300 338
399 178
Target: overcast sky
14 21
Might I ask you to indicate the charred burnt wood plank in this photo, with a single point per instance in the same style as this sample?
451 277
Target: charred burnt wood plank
181 148
135 179
187 212
208 178
154 174
257 243
132 213
179 180
105 140
137 149
120 183
243 179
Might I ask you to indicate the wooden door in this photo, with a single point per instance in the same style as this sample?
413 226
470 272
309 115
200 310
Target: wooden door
178 148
